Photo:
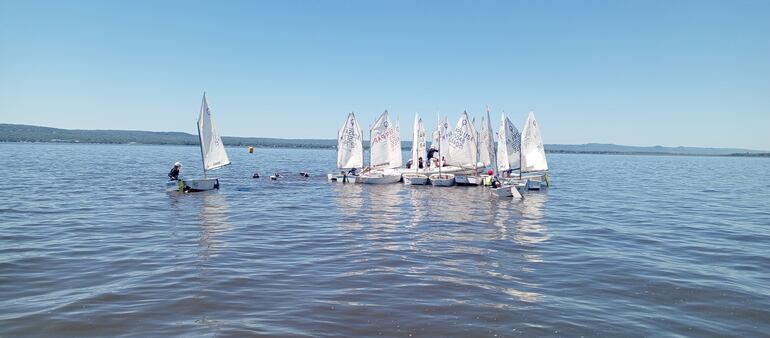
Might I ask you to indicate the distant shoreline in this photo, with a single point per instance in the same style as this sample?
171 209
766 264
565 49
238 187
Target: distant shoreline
17 133
568 152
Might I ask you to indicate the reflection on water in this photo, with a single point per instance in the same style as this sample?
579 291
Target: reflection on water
530 229
349 201
214 221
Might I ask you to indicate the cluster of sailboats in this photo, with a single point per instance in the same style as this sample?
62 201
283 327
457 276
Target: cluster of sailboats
457 156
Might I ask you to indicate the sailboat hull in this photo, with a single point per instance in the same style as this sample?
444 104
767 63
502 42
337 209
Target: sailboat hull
200 184
415 179
379 178
506 191
467 180
442 180
341 178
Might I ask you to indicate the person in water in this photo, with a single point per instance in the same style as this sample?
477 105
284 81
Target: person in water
173 175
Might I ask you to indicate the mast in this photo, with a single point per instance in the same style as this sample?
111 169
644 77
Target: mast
440 154
200 138
494 146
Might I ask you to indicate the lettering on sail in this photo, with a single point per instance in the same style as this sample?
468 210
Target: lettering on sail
349 137
460 136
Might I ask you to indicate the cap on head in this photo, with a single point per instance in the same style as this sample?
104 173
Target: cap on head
177 164
490 172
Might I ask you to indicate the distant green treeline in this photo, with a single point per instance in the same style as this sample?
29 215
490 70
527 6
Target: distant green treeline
27 133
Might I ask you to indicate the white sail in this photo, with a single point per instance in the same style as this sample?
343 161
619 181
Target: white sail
490 143
532 150
385 144
350 144
463 143
418 142
485 143
509 145
212 149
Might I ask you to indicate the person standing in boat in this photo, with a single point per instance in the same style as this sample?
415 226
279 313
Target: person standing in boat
420 164
173 175
433 156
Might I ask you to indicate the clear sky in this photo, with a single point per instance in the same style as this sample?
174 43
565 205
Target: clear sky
691 73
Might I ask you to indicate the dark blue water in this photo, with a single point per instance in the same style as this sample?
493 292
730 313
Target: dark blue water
90 245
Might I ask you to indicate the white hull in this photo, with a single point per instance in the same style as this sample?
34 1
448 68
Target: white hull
340 178
191 185
415 179
378 178
467 180
506 191
444 170
443 180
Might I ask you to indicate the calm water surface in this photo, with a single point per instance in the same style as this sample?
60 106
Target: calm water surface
90 245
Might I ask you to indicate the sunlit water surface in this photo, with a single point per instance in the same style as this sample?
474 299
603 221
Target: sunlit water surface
620 246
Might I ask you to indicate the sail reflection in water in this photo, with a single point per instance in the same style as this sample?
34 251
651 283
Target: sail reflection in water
213 223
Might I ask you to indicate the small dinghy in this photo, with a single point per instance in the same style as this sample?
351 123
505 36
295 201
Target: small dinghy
350 151
415 179
442 180
534 165
384 152
213 154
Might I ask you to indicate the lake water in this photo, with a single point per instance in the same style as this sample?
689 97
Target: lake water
90 245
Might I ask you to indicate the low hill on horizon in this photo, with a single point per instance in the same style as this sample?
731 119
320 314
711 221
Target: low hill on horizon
28 133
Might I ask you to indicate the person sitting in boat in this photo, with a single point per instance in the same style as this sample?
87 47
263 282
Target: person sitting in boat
419 163
173 175
496 182
352 172
409 164
443 161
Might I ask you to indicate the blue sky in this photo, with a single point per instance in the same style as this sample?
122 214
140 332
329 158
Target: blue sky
691 73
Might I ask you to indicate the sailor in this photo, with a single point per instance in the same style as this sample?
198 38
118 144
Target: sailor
173 175
431 152
496 182
419 163
489 178
352 172
409 164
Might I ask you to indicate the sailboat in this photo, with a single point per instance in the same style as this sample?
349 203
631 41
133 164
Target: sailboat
384 152
350 150
441 136
418 150
463 150
506 190
213 154
534 165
